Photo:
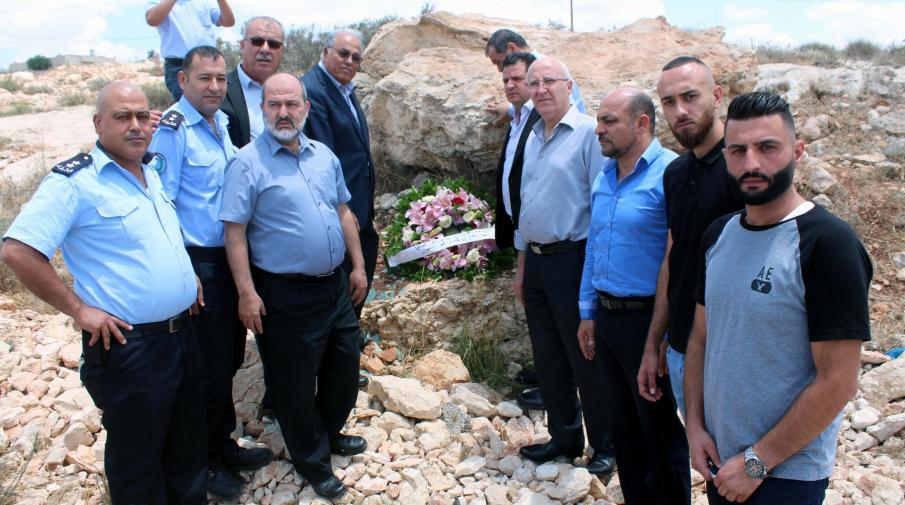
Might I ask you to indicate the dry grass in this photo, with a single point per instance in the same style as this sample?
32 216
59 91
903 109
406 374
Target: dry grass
17 108
159 97
824 55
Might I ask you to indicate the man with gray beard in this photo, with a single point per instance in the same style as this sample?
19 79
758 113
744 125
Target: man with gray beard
288 229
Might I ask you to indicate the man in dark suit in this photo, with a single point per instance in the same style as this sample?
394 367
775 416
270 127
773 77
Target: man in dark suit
336 119
262 51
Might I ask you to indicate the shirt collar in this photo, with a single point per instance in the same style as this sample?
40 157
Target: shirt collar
274 145
653 151
102 160
571 120
525 111
713 155
244 79
193 117
346 89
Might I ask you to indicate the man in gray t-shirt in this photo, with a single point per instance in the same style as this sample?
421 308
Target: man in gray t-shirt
782 311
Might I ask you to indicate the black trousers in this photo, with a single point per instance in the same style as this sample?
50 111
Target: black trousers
651 447
311 352
152 398
773 491
369 242
221 335
551 286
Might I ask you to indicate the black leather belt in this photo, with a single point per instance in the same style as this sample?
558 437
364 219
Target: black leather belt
306 277
556 247
173 61
207 254
171 325
610 302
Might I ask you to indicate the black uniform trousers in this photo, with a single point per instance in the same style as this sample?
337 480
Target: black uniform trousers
551 286
651 447
151 394
311 353
369 240
221 335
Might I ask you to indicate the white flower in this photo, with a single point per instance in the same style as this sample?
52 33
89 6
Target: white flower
428 199
473 256
445 221
408 234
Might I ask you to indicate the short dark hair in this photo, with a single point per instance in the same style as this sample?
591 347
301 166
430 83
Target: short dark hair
760 104
501 38
642 104
683 60
513 58
198 53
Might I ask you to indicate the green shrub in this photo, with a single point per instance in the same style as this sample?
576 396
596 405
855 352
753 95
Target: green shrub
484 359
10 84
861 50
38 62
35 89
98 83
159 97
72 99
16 108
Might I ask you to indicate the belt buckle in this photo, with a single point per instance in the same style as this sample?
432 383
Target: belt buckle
171 324
535 248
605 302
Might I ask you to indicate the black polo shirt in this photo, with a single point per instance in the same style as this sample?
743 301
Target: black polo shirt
697 192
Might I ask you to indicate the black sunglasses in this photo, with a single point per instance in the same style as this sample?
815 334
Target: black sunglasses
345 53
271 43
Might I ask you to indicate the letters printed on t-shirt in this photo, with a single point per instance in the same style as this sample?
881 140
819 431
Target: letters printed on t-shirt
761 283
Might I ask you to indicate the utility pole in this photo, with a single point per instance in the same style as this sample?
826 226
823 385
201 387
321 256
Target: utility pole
571 17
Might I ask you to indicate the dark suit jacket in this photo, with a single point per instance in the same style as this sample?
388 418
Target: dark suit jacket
330 121
236 110
504 224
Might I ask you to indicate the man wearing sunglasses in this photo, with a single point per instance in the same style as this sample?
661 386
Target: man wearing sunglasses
336 119
262 52
182 25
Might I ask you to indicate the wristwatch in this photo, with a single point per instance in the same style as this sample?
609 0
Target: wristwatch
754 467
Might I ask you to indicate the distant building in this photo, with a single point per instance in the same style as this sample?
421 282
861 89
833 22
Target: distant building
66 59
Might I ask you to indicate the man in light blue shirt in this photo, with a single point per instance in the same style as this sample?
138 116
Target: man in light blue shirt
133 287
551 220
285 199
624 251
182 25
193 138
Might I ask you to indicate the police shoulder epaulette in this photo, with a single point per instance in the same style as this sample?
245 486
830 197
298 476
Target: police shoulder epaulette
72 165
172 119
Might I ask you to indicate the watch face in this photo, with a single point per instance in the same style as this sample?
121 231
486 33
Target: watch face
755 468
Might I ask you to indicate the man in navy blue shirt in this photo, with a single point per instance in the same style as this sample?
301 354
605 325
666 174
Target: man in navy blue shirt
624 250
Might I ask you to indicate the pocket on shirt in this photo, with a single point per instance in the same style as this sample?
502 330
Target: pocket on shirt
121 218
199 172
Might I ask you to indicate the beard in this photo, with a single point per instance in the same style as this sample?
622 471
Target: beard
694 138
776 185
285 134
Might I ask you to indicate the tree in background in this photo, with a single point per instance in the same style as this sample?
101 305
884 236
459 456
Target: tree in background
38 62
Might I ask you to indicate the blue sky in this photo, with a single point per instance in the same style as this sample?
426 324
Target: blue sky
117 28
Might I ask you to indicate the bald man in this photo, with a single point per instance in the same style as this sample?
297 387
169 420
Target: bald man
134 289
624 251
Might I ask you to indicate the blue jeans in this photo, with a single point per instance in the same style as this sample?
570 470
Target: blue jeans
675 362
171 80
776 491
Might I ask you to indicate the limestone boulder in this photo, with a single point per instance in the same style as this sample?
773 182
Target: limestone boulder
428 80
884 383
441 369
406 396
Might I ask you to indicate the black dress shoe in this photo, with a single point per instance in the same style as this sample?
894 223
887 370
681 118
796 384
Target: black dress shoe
541 453
530 399
602 463
222 484
347 445
237 458
329 488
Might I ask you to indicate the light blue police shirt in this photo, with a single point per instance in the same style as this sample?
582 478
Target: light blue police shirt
627 237
290 204
120 241
195 169
190 24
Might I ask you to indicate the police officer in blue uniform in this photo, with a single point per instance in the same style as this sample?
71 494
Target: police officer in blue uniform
193 138
182 25
285 209
134 286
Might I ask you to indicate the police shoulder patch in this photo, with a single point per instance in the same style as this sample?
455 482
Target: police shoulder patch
155 161
172 119
72 165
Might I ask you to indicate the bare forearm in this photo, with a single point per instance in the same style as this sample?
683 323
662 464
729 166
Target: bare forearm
157 14
660 319
237 255
694 371
816 407
350 234
36 274
227 18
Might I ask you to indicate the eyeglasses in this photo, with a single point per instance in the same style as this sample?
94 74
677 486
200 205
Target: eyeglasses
345 54
546 81
271 43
